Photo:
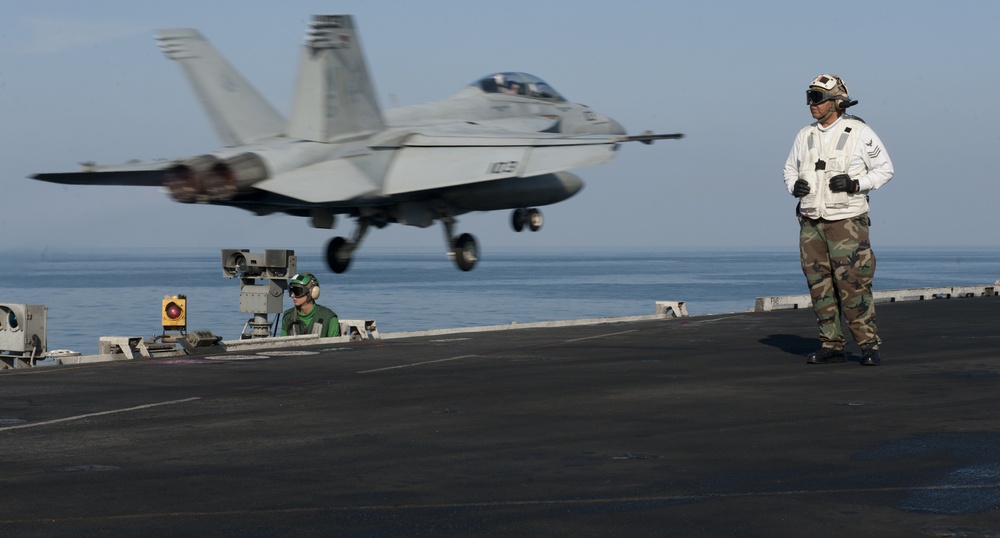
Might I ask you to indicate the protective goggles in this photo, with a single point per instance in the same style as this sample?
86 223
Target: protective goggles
815 97
298 291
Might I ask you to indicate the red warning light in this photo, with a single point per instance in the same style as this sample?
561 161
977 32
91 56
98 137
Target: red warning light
174 311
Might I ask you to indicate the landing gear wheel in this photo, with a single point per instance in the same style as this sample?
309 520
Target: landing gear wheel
535 220
338 256
466 252
518 218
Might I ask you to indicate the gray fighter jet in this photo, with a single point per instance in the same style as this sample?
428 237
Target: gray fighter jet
505 141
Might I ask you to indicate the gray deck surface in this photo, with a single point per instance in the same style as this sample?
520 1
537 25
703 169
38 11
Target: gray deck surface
704 426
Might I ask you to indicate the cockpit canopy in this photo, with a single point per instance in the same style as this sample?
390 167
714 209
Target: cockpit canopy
518 84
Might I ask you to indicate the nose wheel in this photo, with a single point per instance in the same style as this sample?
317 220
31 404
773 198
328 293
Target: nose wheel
530 218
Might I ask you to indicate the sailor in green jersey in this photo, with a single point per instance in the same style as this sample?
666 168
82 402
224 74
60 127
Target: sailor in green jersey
307 317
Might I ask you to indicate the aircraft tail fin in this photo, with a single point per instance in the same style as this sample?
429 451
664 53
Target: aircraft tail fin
238 113
335 98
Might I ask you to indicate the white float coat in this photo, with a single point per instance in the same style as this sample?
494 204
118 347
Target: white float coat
847 141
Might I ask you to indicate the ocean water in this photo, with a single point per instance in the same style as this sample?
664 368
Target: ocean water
119 292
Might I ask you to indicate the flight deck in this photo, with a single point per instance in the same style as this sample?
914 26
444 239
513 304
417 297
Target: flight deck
691 426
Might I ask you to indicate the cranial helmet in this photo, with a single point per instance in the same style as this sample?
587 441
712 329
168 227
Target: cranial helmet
304 284
829 87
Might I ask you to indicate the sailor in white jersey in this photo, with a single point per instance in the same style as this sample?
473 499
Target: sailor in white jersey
833 165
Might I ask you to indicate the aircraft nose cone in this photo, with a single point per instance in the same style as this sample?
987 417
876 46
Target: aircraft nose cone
571 183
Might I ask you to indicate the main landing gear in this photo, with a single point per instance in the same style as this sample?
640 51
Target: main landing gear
463 249
532 218
339 250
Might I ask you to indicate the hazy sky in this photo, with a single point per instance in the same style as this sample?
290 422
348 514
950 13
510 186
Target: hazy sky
85 81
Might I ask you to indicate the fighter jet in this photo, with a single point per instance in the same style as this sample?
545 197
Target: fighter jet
506 141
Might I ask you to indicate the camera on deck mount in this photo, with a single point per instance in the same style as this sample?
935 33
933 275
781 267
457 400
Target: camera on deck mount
271 263
274 268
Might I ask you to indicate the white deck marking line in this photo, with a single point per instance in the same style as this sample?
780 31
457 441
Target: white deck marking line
602 335
113 411
415 364
468 356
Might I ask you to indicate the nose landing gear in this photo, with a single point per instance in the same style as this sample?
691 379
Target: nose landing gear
532 218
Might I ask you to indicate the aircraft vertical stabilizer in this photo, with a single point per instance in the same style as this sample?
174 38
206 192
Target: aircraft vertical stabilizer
335 97
239 114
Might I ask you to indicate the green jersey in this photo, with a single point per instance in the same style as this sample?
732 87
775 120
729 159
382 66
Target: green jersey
294 322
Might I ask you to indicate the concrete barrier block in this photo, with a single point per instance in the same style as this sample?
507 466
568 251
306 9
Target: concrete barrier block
674 309
126 345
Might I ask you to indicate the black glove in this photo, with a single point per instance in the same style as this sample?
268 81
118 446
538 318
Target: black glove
800 189
843 183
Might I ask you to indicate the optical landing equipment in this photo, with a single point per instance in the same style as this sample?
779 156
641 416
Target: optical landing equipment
263 282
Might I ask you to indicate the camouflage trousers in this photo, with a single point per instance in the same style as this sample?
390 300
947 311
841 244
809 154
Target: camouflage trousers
839 264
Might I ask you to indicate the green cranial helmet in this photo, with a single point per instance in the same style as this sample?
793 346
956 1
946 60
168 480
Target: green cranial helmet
304 284
302 279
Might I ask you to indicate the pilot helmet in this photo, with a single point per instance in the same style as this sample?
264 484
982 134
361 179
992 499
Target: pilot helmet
304 284
828 87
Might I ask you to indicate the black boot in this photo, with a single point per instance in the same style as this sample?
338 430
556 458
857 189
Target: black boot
870 356
826 355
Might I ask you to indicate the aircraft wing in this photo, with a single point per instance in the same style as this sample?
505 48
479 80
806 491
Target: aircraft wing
449 155
327 182
419 163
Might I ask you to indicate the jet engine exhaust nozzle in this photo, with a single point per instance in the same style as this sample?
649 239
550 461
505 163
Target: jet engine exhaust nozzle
206 179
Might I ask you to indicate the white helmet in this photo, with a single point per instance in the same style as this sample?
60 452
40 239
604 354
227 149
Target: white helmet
829 87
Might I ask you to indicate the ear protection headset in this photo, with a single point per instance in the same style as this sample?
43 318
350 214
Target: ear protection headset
313 285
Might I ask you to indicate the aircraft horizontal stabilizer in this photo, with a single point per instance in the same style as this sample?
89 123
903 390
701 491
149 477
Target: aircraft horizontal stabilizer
129 178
